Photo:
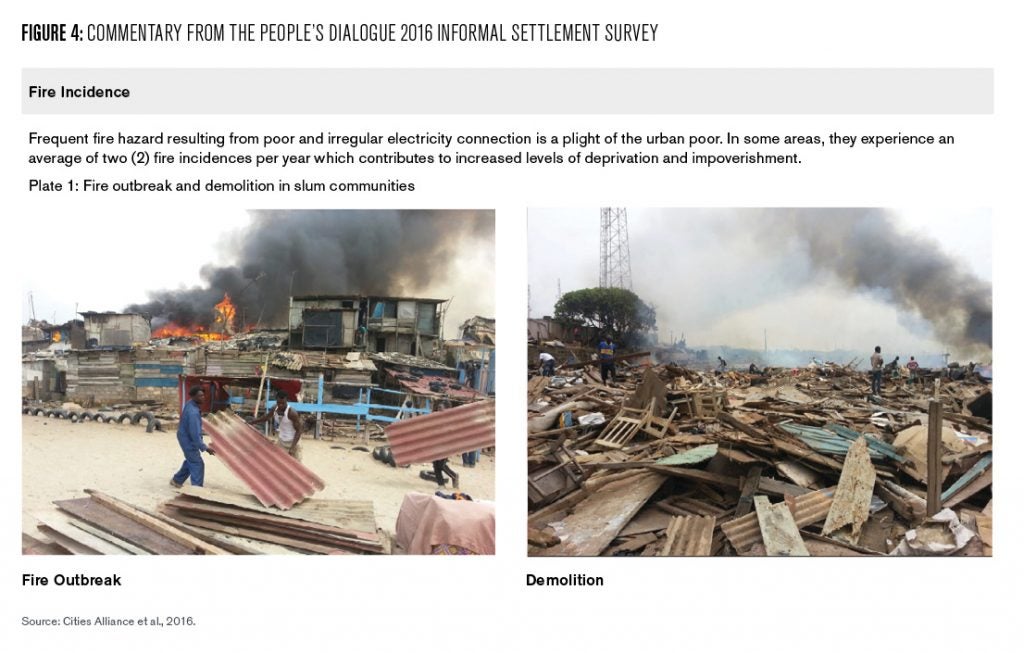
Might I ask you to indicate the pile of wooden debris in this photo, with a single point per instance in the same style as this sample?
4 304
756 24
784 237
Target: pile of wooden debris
673 461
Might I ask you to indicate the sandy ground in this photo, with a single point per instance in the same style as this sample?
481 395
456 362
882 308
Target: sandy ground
61 459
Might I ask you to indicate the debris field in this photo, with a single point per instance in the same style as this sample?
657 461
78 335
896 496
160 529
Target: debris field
672 461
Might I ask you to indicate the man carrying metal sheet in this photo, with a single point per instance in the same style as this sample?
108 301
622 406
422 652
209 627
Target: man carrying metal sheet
190 438
286 423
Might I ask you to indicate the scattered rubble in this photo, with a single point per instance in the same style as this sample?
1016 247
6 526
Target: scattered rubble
670 460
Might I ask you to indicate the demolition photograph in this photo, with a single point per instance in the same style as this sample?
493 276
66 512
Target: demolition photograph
261 382
759 382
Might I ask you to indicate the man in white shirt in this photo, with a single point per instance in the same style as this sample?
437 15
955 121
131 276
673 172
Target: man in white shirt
547 364
287 425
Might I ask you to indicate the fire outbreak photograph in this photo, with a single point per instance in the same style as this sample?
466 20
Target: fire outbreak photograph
760 382
262 382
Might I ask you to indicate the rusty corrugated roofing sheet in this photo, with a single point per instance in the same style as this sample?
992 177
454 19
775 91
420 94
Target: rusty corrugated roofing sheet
744 532
689 536
447 388
442 434
274 477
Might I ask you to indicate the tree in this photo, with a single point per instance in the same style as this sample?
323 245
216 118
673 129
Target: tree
616 311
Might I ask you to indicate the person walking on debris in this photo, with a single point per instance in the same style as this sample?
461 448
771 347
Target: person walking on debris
894 368
722 365
605 354
912 368
190 439
547 364
286 423
876 371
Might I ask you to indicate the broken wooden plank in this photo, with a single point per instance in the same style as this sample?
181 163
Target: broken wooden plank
597 520
967 491
88 544
731 482
750 483
648 520
131 512
730 420
805 454
780 488
109 537
122 527
540 538
977 451
821 546
934 456
852 499
968 479
33 546
631 544
984 523
779 531
799 474
689 536
66 544
904 502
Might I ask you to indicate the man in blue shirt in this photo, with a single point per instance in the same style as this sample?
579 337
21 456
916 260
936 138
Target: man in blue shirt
605 354
190 438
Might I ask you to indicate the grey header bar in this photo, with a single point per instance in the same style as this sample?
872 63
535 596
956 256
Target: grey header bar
516 91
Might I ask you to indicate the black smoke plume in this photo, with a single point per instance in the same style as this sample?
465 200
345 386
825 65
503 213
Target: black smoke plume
864 249
289 253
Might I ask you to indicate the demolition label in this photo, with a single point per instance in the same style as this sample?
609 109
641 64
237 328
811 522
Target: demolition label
568 580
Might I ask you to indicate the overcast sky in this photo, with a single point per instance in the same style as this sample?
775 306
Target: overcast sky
113 261
714 276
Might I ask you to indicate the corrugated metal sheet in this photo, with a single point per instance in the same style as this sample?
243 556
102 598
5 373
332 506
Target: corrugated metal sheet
274 477
836 439
689 536
445 387
971 474
744 532
442 434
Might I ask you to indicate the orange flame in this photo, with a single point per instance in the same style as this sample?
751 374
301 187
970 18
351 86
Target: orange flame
224 313
224 316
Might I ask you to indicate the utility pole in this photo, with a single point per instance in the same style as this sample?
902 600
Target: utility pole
616 271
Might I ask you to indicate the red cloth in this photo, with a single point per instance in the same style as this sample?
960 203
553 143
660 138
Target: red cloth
426 521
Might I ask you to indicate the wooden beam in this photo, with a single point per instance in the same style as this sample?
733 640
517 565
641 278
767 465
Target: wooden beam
149 521
934 456
731 482
905 503
746 502
969 490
